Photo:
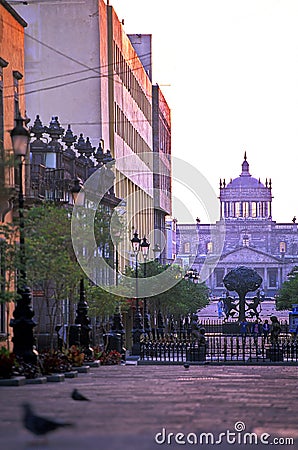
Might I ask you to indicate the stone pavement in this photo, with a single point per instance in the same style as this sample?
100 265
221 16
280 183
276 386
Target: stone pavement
131 404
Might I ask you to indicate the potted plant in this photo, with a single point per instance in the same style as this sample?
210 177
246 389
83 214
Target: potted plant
7 363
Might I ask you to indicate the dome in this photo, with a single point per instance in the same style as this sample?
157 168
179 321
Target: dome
245 180
245 196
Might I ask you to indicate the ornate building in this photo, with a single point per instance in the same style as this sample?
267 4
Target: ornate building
244 235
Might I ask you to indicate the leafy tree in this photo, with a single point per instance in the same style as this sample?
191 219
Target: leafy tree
183 298
288 293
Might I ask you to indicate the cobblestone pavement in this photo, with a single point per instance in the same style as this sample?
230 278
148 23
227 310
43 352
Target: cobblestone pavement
131 404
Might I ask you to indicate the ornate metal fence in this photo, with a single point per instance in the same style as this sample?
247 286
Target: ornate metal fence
220 348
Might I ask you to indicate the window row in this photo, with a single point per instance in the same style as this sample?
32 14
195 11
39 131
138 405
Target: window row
131 83
128 133
246 209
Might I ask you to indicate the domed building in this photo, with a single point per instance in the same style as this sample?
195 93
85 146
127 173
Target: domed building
244 235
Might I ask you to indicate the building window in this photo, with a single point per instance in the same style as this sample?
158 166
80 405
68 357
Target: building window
186 247
237 209
245 206
253 209
272 277
245 240
282 247
219 275
209 247
3 64
17 76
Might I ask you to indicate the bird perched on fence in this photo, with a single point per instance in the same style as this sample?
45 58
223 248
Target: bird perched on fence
76 395
39 425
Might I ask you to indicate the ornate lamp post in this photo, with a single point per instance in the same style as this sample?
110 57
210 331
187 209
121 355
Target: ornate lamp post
137 322
145 249
192 276
23 323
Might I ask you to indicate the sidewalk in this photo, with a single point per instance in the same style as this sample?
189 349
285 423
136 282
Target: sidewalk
131 404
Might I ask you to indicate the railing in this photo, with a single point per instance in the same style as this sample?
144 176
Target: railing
220 348
212 326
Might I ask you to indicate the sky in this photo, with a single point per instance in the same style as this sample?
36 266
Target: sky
229 71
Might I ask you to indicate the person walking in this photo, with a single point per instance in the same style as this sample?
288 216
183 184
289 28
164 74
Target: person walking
266 330
243 329
256 331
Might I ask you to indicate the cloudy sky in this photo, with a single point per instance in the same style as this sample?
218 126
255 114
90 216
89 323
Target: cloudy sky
229 70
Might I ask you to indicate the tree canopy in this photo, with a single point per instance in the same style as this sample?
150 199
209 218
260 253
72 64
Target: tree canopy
183 298
288 294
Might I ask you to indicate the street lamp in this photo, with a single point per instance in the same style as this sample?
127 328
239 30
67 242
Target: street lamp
145 249
22 324
137 322
192 276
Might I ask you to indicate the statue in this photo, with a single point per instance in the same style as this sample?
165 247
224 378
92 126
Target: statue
230 308
242 280
253 307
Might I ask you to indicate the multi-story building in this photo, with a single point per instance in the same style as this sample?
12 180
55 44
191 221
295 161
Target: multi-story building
99 79
11 103
245 235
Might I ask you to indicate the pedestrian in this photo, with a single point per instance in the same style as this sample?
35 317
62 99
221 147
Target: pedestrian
195 327
275 330
256 331
243 329
220 306
266 330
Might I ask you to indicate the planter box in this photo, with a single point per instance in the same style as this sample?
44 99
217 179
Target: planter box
82 369
39 380
15 381
72 374
55 377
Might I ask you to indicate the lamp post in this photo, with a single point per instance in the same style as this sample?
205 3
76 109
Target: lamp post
192 276
145 249
137 321
23 323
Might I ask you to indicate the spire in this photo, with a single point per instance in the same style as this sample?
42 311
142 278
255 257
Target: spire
245 167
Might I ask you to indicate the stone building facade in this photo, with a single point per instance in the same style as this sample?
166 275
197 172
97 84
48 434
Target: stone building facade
246 235
12 102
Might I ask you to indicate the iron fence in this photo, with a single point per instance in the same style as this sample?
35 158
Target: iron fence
220 348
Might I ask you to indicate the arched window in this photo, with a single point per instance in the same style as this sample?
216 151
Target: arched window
186 247
237 209
282 247
253 209
245 207
209 247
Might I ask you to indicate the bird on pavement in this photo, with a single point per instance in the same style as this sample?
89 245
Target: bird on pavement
39 425
186 366
76 395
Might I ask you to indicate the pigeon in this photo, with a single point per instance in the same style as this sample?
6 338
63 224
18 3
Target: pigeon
40 425
186 366
76 395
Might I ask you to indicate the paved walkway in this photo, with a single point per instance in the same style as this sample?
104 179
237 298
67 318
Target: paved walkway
131 404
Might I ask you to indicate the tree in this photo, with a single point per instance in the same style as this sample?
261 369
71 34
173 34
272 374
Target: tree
288 294
51 264
183 298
